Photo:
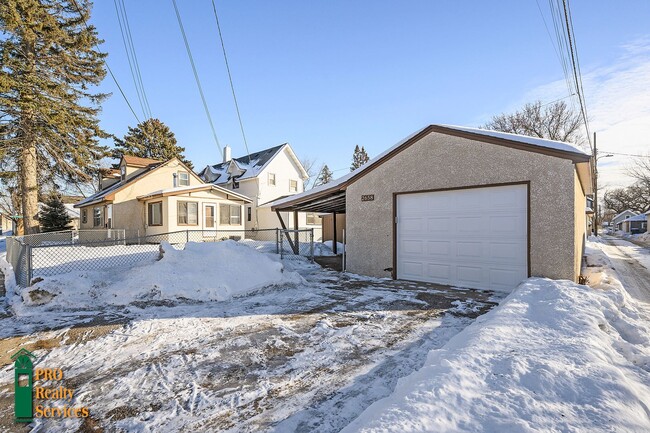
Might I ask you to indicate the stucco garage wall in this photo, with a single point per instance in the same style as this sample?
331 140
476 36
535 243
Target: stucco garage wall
440 161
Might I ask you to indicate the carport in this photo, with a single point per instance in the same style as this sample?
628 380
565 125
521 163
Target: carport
328 200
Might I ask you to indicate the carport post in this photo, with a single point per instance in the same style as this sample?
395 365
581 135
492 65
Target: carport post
334 240
296 249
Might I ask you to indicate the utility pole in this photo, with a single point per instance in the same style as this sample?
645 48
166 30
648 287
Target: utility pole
595 156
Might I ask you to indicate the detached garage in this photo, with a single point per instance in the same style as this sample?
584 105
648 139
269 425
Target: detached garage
462 207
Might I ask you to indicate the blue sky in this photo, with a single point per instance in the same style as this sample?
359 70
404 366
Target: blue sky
325 76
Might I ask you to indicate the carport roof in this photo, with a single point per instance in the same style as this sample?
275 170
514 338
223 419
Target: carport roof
331 196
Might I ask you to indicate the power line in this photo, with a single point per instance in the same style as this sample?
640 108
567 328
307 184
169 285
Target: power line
623 154
108 68
135 58
573 50
128 57
196 75
232 87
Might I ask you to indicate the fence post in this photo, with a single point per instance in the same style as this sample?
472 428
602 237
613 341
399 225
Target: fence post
30 271
281 246
277 241
187 236
311 244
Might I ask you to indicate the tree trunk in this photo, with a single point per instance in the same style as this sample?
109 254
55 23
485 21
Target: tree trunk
29 187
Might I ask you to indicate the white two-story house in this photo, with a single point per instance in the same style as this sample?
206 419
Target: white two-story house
264 176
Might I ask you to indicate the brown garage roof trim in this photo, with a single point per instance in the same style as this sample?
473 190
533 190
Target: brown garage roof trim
531 144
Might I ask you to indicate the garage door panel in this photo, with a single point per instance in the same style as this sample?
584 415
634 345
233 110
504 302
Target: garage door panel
469 238
413 269
412 247
439 225
413 224
512 252
469 275
438 248
469 224
438 272
469 249
515 225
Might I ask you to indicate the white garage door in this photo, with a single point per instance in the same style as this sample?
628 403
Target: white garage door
473 238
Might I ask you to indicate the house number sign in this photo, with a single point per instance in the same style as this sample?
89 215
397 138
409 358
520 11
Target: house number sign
368 197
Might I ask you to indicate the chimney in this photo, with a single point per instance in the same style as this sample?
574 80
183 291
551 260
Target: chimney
227 154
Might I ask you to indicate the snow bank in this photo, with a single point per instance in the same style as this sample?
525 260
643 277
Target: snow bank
325 248
555 356
202 272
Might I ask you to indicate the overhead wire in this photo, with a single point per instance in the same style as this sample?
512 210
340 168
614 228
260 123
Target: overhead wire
128 57
108 68
232 87
135 58
573 50
196 75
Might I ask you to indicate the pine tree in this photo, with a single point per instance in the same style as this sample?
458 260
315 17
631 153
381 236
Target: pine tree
53 215
50 123
359 157
150 139
325 176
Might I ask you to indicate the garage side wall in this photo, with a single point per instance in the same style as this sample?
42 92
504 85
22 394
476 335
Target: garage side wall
439 161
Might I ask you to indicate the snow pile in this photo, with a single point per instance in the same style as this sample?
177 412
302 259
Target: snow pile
201 272
643 237
555 356
325 248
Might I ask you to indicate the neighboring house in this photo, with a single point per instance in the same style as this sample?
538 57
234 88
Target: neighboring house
590 214
635 224
6 224
617 221
265 176
72 213
463 207
152 197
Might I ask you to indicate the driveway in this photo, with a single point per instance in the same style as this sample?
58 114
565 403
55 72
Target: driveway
632 262
294 358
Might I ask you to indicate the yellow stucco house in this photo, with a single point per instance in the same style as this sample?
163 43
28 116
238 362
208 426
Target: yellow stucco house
149 197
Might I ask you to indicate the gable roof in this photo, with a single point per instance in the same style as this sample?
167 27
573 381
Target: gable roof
195 188
106 193
641 217
251 165
623 213
521 142
136 161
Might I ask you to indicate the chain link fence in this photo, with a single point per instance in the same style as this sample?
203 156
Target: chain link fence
55 253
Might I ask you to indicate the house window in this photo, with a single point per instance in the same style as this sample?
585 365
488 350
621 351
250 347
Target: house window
188 213
209 216
98 217
272 179
183 178
122 172
250 214
312 219
154 212
293 186
84 216
230 214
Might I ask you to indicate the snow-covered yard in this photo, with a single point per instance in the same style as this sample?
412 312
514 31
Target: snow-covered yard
308 351
313 350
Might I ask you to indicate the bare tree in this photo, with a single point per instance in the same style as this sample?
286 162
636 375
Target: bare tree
632 197
556 121
309 164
